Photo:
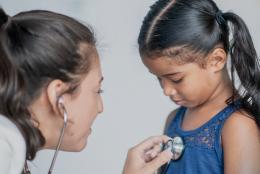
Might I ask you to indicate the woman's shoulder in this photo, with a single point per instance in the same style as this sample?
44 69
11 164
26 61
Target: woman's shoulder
12 147
169 118
9 130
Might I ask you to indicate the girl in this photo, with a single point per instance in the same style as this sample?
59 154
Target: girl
50 80
185 43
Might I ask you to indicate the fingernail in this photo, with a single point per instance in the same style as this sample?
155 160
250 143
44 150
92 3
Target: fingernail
153 155
169 153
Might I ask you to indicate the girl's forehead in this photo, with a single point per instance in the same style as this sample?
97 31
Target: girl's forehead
161 64
165 65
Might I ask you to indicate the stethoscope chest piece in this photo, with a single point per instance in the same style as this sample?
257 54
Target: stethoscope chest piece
176 145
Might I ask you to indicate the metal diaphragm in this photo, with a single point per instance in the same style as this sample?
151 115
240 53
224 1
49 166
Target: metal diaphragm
176 146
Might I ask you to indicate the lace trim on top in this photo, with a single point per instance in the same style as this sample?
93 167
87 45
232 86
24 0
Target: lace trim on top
204 136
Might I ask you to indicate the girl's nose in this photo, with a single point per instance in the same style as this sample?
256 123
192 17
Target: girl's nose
168 88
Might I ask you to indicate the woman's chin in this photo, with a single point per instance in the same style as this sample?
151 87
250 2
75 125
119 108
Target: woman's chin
76 148
80 148
81 145
75 144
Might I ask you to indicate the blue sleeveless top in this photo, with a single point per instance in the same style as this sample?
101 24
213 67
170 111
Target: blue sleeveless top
203 152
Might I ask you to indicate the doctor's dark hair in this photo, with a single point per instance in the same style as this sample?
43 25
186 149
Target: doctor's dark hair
188 30
37 47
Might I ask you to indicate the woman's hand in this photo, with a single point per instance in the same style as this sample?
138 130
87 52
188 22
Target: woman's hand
146 157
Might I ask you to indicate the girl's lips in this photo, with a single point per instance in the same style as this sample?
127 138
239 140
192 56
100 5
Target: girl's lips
178 102
175 100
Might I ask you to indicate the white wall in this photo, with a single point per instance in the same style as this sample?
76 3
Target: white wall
135 107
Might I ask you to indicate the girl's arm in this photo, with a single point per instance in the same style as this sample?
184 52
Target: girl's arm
241 145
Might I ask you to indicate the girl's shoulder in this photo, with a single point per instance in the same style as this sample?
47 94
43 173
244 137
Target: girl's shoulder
241 143
12 147
169 118
238 121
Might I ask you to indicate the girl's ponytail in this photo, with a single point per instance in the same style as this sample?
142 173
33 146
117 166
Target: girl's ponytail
246 63
13 104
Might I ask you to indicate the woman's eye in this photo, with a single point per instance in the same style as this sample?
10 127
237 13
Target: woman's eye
160 80
100 91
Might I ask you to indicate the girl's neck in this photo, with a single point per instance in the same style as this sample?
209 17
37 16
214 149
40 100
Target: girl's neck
215 103
217 100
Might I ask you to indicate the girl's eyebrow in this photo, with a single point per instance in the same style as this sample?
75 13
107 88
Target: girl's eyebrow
170 74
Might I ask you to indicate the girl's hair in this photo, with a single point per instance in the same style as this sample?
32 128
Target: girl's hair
35 48
187 28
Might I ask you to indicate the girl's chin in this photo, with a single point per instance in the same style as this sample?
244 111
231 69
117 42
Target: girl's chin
181 103
184 104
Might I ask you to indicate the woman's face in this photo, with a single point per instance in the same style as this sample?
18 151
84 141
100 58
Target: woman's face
186 84
82 108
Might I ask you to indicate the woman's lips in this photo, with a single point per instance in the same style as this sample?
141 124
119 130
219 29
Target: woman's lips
90 130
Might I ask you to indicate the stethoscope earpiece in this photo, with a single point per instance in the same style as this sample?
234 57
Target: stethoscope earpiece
61 104
60 100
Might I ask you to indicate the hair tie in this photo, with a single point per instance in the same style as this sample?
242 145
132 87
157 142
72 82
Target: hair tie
219 18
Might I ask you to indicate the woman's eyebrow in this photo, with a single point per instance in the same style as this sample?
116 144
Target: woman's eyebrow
101 79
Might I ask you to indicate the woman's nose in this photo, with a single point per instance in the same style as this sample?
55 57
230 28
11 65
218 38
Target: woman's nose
100 105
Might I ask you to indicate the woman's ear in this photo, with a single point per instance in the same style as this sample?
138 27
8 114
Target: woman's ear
54 91
217 60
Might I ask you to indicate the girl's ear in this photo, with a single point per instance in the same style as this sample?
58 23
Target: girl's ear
54 90
217 60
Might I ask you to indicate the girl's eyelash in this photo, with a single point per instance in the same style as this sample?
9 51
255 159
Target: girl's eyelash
177 81
174 81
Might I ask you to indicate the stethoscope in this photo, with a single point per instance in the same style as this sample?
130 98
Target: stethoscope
26 169
176 146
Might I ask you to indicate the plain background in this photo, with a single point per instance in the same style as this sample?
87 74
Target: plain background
135 107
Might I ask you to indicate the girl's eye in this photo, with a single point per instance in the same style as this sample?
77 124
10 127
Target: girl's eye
177 81
174 81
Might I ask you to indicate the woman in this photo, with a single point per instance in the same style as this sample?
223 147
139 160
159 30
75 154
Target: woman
50 86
